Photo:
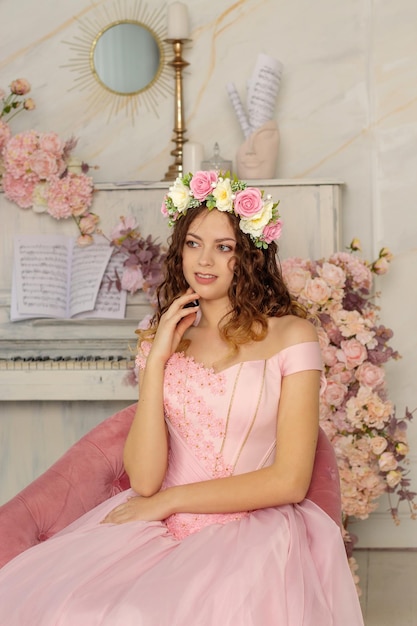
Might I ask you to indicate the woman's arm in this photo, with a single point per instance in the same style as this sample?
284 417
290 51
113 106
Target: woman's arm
286 481
145 453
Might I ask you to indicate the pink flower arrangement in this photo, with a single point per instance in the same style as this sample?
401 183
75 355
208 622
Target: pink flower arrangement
39 172
356 413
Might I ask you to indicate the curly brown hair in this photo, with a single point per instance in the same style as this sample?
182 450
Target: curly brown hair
256 293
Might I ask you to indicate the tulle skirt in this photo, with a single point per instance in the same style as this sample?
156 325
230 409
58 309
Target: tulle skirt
283 566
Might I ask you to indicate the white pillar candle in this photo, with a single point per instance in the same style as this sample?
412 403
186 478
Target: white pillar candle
178 23
192 156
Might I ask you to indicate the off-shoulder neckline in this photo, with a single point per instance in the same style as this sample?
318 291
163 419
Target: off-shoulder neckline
239 363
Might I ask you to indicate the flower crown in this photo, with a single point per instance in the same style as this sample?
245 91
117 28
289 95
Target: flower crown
259 217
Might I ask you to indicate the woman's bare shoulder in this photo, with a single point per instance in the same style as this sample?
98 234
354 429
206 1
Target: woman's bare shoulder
289 330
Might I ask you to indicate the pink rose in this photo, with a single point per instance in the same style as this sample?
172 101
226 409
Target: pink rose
329 355
339 373
88 223
296 279
317 290
248 202
201 184
387 462
332 274
378 445
20 86
370 375
352 353
334 393
393 478
272 231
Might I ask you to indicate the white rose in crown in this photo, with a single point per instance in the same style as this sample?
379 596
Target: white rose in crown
180 195
224 195
255 225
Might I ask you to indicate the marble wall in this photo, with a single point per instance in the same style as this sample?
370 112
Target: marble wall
347 109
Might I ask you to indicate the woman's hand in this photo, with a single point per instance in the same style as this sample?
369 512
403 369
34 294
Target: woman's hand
172 326
140 508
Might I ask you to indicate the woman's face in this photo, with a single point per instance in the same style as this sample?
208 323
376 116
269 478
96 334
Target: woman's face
208 256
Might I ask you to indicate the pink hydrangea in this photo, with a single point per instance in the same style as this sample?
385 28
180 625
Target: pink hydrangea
70 195
19 190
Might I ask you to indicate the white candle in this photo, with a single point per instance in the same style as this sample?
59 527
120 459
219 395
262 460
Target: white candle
178 24
192 156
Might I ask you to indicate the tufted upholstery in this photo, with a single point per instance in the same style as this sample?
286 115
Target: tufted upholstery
92 471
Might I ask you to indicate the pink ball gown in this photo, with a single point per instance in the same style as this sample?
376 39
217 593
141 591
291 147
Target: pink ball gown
279 566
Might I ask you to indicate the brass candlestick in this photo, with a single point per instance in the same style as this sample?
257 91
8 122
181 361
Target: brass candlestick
178 63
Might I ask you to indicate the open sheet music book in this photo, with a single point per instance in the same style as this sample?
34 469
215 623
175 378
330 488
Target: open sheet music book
54 277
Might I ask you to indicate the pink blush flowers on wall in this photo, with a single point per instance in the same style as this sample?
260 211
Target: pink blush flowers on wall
360 420
40 172
38 169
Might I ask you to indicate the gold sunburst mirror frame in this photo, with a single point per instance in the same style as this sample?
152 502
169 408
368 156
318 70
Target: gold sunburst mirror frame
121 57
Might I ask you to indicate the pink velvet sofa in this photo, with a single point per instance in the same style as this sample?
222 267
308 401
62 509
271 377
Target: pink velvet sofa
92 471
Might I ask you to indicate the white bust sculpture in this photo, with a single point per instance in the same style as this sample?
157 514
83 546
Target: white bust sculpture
257 156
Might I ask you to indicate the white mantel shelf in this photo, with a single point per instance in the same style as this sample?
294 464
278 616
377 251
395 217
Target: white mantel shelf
270 182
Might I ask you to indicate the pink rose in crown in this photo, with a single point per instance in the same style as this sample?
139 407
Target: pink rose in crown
201 184
248 202
272 231
164 209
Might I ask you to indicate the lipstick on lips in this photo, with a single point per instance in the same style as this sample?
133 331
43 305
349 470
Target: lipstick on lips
205 279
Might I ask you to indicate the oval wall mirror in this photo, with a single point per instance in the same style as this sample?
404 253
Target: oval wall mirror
121 57
126 57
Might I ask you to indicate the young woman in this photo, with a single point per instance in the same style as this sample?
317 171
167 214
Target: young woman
216 530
